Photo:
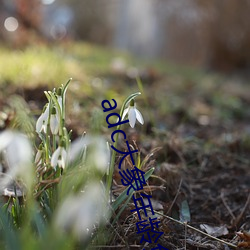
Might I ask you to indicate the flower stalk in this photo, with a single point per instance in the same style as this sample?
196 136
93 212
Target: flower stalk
112 162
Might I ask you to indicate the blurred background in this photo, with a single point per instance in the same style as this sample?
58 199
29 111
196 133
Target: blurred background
193 60
211 34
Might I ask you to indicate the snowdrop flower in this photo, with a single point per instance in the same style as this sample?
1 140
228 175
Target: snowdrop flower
133 114
17 152
54 121
59 157
79 214
42 122
59 97
98 152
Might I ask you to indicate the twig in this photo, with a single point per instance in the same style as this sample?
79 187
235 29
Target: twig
185 224
195 229
227 207
117 246
57 180
237 220
48 185
173 202
116 232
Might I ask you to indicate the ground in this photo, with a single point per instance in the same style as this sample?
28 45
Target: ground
197 123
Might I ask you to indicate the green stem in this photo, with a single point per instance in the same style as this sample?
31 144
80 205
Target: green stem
47 140
54 142
63 100
112 163
59 111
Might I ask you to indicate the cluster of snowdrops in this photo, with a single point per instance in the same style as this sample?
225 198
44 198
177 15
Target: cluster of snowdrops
65 185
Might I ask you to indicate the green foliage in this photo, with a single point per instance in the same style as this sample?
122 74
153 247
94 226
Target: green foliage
34 64
126 197
66 206
112 164
40 64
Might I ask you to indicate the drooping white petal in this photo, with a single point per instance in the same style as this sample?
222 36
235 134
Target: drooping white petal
54 124
46 113
139 116
55 156
61 162
5 139
65 217
59 99
44 127
39 123
124 113
38 156
78 214
77 148
101 154
98 152
42 121
19 151
63 159
132 116
64 154
59 158
18 156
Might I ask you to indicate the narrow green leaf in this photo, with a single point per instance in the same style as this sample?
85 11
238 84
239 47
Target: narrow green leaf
185 212
122 208
128 99
39 222
65 87
11 237
123 196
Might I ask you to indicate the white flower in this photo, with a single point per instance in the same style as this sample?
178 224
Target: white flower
79 214
17 152
38 156
59 157
59 99
100 155
133 114
54 121
98 152
42 122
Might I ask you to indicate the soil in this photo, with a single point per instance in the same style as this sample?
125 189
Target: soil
202 159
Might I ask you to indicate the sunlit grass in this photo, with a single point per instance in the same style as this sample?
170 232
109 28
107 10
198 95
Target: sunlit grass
37 65
41 64
90 66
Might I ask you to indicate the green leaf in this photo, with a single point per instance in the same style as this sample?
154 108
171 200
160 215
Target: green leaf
185 212
122 208
11 237
129 98
65 87
39 222
123 196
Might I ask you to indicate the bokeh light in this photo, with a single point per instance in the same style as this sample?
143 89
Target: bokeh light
48 2
58 31
11 24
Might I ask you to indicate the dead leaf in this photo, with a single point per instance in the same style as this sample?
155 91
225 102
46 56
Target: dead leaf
215 231
245 236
